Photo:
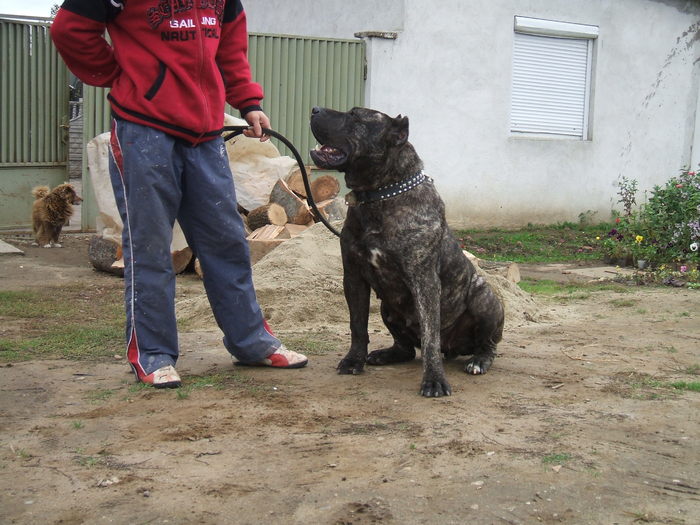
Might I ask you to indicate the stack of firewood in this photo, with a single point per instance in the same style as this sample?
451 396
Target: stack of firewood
287 213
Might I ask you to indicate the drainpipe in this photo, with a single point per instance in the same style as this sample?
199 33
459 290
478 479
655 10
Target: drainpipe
375 41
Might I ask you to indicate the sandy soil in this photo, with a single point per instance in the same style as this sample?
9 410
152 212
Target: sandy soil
575 423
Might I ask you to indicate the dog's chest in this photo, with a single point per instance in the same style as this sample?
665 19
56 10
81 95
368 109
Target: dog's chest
381 263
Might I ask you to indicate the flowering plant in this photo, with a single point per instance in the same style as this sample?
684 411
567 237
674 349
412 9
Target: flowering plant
665 229
672 216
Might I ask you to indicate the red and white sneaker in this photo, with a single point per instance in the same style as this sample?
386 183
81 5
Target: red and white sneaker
165 377
283 357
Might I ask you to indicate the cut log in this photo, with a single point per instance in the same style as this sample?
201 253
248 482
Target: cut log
271 213
267 232
259 248
297 210
181 259
324 188
295 182
103 253
106 255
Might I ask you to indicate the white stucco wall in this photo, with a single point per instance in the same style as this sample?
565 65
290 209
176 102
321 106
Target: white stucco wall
328 19
449 70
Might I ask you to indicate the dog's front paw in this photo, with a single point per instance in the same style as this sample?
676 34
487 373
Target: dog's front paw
47 245
349 365
57 245
433 387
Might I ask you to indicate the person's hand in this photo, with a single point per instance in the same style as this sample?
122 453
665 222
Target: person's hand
257 120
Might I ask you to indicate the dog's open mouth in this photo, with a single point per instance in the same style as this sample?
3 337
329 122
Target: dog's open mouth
328 156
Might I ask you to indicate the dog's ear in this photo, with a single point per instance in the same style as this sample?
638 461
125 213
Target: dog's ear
399 130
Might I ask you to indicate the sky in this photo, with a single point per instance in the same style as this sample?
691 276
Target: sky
27 7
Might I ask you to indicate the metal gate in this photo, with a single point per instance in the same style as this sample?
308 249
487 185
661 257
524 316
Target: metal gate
33 116
296 73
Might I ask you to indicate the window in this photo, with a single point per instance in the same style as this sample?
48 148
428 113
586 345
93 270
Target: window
551 78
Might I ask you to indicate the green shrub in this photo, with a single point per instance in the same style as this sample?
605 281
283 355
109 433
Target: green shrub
663 230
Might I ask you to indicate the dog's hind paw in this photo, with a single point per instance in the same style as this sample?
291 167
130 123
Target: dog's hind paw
478 365
47 245
350 366
391 355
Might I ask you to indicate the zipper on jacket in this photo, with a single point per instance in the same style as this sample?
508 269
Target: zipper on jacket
202 49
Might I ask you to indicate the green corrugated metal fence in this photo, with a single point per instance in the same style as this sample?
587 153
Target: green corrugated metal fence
296 73
33 116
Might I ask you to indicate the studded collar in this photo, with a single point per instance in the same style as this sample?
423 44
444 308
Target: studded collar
355 198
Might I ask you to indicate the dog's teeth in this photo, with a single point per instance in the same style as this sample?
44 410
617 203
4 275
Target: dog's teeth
318 147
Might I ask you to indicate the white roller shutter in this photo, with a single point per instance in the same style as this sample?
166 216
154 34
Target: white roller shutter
551 85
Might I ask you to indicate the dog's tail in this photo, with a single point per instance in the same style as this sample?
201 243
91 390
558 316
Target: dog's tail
40 192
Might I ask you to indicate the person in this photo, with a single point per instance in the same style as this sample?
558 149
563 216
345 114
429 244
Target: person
171 65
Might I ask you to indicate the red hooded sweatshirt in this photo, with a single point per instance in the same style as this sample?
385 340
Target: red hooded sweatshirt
171 63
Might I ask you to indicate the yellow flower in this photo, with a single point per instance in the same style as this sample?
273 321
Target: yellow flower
638 239
597 238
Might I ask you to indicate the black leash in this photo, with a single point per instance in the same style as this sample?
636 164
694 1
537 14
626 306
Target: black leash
238 130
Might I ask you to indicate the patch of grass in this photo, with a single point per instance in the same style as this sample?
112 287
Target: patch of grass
568 290
77 425
217 382
623 303
693 386
101 394
75 323
88 461
556 459
313 344
643 386
23 454
536 243
138 387
21 304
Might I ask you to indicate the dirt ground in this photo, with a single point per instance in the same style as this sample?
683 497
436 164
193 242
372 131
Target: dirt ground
575 423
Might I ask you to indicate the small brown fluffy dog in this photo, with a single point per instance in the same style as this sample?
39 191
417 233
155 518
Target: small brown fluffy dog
52 210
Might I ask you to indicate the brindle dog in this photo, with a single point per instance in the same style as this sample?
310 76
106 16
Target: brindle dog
395 241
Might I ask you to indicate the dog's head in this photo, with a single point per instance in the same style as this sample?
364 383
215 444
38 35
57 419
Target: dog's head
357 141
67 192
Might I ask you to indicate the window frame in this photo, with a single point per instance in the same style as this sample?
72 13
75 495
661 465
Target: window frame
561 30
